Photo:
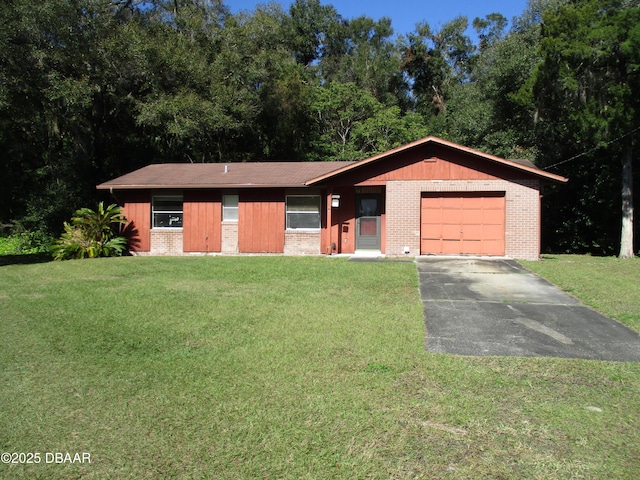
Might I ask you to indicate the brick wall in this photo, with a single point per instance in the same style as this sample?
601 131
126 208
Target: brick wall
522 227
230 237
301 242
166 242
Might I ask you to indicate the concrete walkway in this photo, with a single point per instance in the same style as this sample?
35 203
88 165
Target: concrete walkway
496 307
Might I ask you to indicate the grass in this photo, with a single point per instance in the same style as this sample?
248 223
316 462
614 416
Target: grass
283 368
608 284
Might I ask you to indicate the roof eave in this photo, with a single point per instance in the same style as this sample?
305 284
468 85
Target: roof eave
113 187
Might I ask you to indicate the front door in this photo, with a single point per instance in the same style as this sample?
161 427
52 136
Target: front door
368 224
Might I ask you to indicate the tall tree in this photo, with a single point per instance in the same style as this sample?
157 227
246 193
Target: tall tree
435 62
308 28
69 71
337 109
363 52
490 29
588 87
486 112
353 124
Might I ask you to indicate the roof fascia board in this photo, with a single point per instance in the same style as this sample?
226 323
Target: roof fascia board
209 186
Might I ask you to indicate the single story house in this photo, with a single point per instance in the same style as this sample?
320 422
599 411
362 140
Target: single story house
427 197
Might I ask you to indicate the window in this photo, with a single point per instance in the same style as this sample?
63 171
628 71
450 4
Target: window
167 212
230 208
303 211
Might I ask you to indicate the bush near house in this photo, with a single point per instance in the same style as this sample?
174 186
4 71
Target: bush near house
92 234
25 243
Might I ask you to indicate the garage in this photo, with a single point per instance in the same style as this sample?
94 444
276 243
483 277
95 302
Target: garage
463 223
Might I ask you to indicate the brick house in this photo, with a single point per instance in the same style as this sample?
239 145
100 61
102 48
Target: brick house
427 197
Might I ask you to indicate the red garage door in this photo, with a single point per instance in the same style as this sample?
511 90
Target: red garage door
463 223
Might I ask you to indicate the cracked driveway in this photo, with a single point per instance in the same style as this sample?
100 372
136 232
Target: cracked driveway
496 307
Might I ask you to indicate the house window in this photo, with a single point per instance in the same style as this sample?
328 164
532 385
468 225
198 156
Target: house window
303 211
167 212
230 208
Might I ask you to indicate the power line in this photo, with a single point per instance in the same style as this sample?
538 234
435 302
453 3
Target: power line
593 149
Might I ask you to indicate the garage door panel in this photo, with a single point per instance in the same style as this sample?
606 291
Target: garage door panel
451 202
472 216
494 217
490 246
450 247
464 223
434 202
495 202
472 232
432 245
432 216
451 232
452 216
471 247
493 232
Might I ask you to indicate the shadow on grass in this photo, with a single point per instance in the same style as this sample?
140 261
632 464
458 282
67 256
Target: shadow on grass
25 259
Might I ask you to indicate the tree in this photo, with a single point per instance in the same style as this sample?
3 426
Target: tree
362 52
71 73
588 87
307 29
487 112
490 29
352 124
435 62
387 129
337 109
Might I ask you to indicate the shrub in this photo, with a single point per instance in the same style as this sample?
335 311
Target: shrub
10 245
26 243
92 234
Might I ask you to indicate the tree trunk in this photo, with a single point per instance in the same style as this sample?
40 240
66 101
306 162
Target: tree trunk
626 238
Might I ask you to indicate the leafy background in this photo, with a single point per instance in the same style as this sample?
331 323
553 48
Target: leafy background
91 89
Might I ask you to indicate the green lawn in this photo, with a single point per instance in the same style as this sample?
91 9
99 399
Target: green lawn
608 284
283 368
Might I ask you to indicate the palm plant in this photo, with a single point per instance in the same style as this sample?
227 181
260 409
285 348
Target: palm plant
92 234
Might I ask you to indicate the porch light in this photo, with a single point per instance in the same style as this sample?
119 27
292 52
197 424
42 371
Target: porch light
335 200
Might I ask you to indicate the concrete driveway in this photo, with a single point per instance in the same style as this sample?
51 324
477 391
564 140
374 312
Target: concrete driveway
496 307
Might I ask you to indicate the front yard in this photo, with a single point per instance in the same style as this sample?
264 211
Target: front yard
280 367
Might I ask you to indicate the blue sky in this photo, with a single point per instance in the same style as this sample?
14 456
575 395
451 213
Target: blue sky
405 14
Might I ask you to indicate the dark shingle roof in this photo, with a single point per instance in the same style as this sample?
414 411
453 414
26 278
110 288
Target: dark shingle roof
222 175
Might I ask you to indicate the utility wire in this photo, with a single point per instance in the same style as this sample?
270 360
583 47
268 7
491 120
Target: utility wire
593 149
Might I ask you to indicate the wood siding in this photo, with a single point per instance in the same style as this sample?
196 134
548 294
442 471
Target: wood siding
261 221
343 225
136 206
435 168
202 221
432 162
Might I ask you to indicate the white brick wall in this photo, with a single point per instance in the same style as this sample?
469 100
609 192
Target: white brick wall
166 242
229 237
522 228
301 242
